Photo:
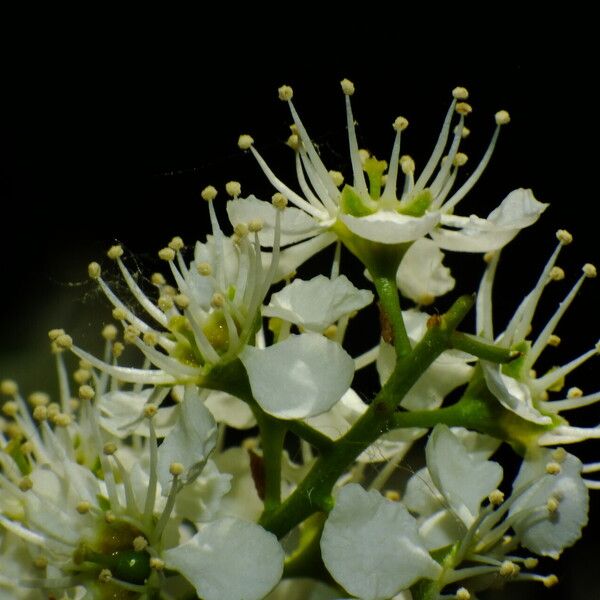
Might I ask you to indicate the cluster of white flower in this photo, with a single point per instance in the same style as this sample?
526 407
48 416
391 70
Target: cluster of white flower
128 488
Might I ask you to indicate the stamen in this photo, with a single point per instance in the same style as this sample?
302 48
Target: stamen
390 191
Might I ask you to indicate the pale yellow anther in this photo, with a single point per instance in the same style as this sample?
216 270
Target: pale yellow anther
241 230
554 340
508 569
94 270
464 108
557 274
460 93
27 447
176 469
552 505
10 408
249 444
285 93
337 177
176 244
150 338
9 387
245 141
204 269
279 201
110 517
82 376
150 410
105 576
25 484
574 392
165 303
117 349
531 563
86 392
182 300
400 124
550 581
407 164
13 431
392 495
109 332
169 291
83 507
40 413
460 159
218 300
131 334
209 193
463 594
109 448
347 87
157 564
331 332
589 270
564 237
553 468
496 498
119 314
140 543
233 188
364 154
293 141
255 225
465 133
74 404
53 409
115 252
425 299
40 562
64 341
158 279
38 399
54 333
62 419
167 254
502 117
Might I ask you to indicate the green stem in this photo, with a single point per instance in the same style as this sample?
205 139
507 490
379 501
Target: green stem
479 347
387 290
272 434
307 433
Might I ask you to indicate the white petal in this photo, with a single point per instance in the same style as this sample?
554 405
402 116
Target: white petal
296 225
550 536
230 410
371 545
229 559
317 303
292 257
190 442
422 275
421 495
391 444
300 377
518 210
340 417
463 479
512 394
390 227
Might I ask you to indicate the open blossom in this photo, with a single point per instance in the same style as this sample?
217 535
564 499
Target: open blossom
385 211
88 513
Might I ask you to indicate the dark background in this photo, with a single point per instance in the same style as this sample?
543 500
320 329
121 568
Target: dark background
111 136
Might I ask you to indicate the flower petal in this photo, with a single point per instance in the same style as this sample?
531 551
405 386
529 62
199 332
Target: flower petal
220 561
230 410
300 377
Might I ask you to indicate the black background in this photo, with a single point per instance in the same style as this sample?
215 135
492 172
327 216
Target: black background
110 133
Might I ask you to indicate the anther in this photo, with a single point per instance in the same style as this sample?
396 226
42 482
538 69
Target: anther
176 469
40 562
40 413
119 314
241 230
9 387
218 300
279 201
496 498
392 495
400 124
556 274
508 569
109 448
82 376
245 141
83 507
233 188
460 159
550 581
564 237
150 338
330 332
62 419
209 193
553 468
54 333
109 332
574 392
347 87
204 269
157 279
94 270
140 543
407 164
364 155
64 341
13 431
117 349
255 225
53 409
502 117
165 303
182 300
554 340
10 408
552 505
463 108
460 93
131 334
25 484
293 141
176 244
531 563
27 447
337 177
110 517
463 594
115 252
38 399
589 270
150 410
157 564
105 576
167 254
285 93
559 455
86 392
465 132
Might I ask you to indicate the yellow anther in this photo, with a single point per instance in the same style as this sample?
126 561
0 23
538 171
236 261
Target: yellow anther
508 569
463 108
400 124
338 178
158 279
233 188
245 141
13 431
167 254
331 332
241 230
218 300
293 141
25 484
347 87
117 349
94 270
82 376
176 469
285 93
85 364
176 244
559 455
531 563
83 507
249 444
27 447
496 498
564 237
86 392
40 413
105 576
574 392
64 341
150 410
550 581
109 332
62 419
38 399
279 201
502 117
131 334
392 495
150 338
209 193
204 269
165 303
552 505
255 225
460 159
589 270
556 274
157 564
9 387
182 300
74 404
119 314
54 333
140 543
407 164
115 252
364 154
553 340
53 409
463 594
40 562
553 468
10 408
460 93
109 448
